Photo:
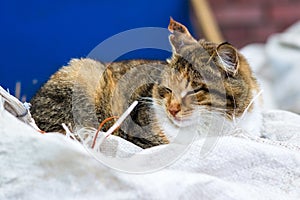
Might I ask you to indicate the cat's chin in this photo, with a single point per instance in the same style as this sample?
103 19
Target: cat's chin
181 122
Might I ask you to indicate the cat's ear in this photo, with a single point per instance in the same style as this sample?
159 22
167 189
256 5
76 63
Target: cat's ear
227 57
180 36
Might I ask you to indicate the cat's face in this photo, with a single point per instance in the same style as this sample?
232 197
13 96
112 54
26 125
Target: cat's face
203 77
178 97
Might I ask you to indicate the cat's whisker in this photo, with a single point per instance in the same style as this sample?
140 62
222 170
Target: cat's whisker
248 106
211 108
146 98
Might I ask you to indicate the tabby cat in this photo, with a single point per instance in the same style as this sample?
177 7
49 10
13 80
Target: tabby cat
201 78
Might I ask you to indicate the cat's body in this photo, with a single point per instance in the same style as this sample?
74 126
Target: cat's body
201 79
86 92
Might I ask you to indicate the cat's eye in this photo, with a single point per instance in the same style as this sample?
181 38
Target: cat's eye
195 91
162 91
168 90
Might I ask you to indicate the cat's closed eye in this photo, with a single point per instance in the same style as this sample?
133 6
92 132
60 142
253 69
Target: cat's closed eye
196 90
162 91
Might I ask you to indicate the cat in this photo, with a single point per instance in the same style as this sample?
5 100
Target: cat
201 78
206 80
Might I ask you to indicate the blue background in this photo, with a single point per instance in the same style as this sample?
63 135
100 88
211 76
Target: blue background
40 36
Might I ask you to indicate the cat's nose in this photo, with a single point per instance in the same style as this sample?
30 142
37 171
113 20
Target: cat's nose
174 109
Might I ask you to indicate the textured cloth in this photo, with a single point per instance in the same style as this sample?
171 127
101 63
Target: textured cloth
51 166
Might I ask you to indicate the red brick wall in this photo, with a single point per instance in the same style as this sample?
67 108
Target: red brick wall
248 21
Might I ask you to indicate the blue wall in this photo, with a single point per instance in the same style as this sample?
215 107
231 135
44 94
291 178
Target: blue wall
38 37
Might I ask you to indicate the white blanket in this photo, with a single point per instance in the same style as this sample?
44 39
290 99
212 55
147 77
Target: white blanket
51 166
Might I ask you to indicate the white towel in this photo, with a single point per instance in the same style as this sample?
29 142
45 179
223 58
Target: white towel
51 166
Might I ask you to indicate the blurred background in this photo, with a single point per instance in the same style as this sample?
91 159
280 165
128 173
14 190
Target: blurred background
244 22
38 37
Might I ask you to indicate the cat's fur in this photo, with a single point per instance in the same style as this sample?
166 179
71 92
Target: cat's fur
86 92
200 78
